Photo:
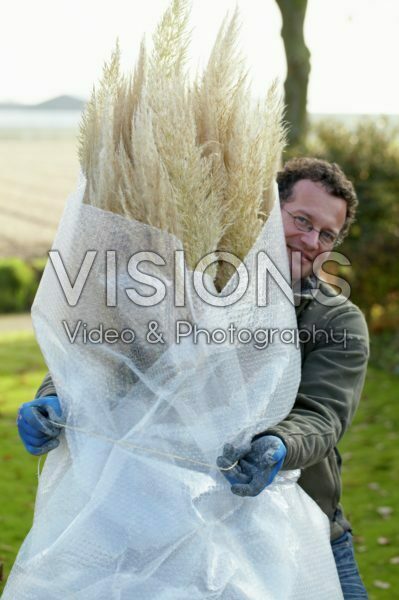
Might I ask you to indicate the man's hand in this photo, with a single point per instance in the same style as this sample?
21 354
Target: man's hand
38 434
258 464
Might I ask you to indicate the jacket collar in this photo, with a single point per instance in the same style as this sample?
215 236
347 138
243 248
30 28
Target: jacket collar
304 292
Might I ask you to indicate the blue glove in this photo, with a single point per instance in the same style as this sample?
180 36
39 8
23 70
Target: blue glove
38 434
258 464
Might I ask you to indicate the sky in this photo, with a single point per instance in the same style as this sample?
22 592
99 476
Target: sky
49 48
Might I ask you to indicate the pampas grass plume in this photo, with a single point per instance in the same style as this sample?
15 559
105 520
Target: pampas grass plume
196 159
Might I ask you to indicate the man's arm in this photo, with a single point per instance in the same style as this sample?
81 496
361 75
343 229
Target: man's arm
332 380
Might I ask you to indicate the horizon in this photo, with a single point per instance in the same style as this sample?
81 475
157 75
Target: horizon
84 100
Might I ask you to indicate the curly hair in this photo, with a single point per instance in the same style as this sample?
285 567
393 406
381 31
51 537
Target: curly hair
329 175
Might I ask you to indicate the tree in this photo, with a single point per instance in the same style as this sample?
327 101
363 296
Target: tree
298 66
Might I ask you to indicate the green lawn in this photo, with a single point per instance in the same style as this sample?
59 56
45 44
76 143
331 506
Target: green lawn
370 452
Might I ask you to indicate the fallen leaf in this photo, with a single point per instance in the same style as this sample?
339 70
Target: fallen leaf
385 511
383 541
382 585
373 485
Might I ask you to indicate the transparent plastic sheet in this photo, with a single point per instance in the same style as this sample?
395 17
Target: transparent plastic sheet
149 515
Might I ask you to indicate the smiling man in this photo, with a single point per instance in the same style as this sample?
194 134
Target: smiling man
318 205
311 203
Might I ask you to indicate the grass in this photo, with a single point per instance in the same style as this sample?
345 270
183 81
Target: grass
21 371
370 452
371 482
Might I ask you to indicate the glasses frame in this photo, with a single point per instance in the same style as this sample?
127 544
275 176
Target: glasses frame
312 228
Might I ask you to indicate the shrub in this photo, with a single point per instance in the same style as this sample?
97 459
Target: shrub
368 153
18 284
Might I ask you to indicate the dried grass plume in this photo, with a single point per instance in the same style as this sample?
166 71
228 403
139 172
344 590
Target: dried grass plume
196 159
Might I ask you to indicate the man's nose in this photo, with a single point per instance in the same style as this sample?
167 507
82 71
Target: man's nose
311 239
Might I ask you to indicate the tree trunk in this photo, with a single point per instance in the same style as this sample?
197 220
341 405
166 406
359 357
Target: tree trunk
298 66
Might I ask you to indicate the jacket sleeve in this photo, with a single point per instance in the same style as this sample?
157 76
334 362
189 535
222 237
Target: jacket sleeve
333 375
46 388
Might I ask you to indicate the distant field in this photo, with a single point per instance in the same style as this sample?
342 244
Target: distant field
37 173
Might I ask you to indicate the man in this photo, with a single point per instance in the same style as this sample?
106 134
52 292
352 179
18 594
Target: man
318 206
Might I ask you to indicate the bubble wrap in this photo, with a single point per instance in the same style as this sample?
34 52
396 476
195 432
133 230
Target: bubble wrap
131 505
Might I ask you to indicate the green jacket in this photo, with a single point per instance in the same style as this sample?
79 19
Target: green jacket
333 373
334 364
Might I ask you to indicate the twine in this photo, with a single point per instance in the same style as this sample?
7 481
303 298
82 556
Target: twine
125 444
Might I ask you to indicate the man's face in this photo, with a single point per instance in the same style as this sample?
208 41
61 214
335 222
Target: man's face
324 211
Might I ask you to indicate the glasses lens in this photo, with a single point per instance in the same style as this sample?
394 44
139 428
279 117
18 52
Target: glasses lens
303 224
327 238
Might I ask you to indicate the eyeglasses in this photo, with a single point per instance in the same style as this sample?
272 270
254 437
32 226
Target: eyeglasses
327 239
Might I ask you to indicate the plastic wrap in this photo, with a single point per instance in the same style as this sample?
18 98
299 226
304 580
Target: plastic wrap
131 504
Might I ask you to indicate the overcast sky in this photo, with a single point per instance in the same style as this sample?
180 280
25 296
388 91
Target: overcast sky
54 47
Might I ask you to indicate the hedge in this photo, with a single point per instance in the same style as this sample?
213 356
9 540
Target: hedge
18 283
